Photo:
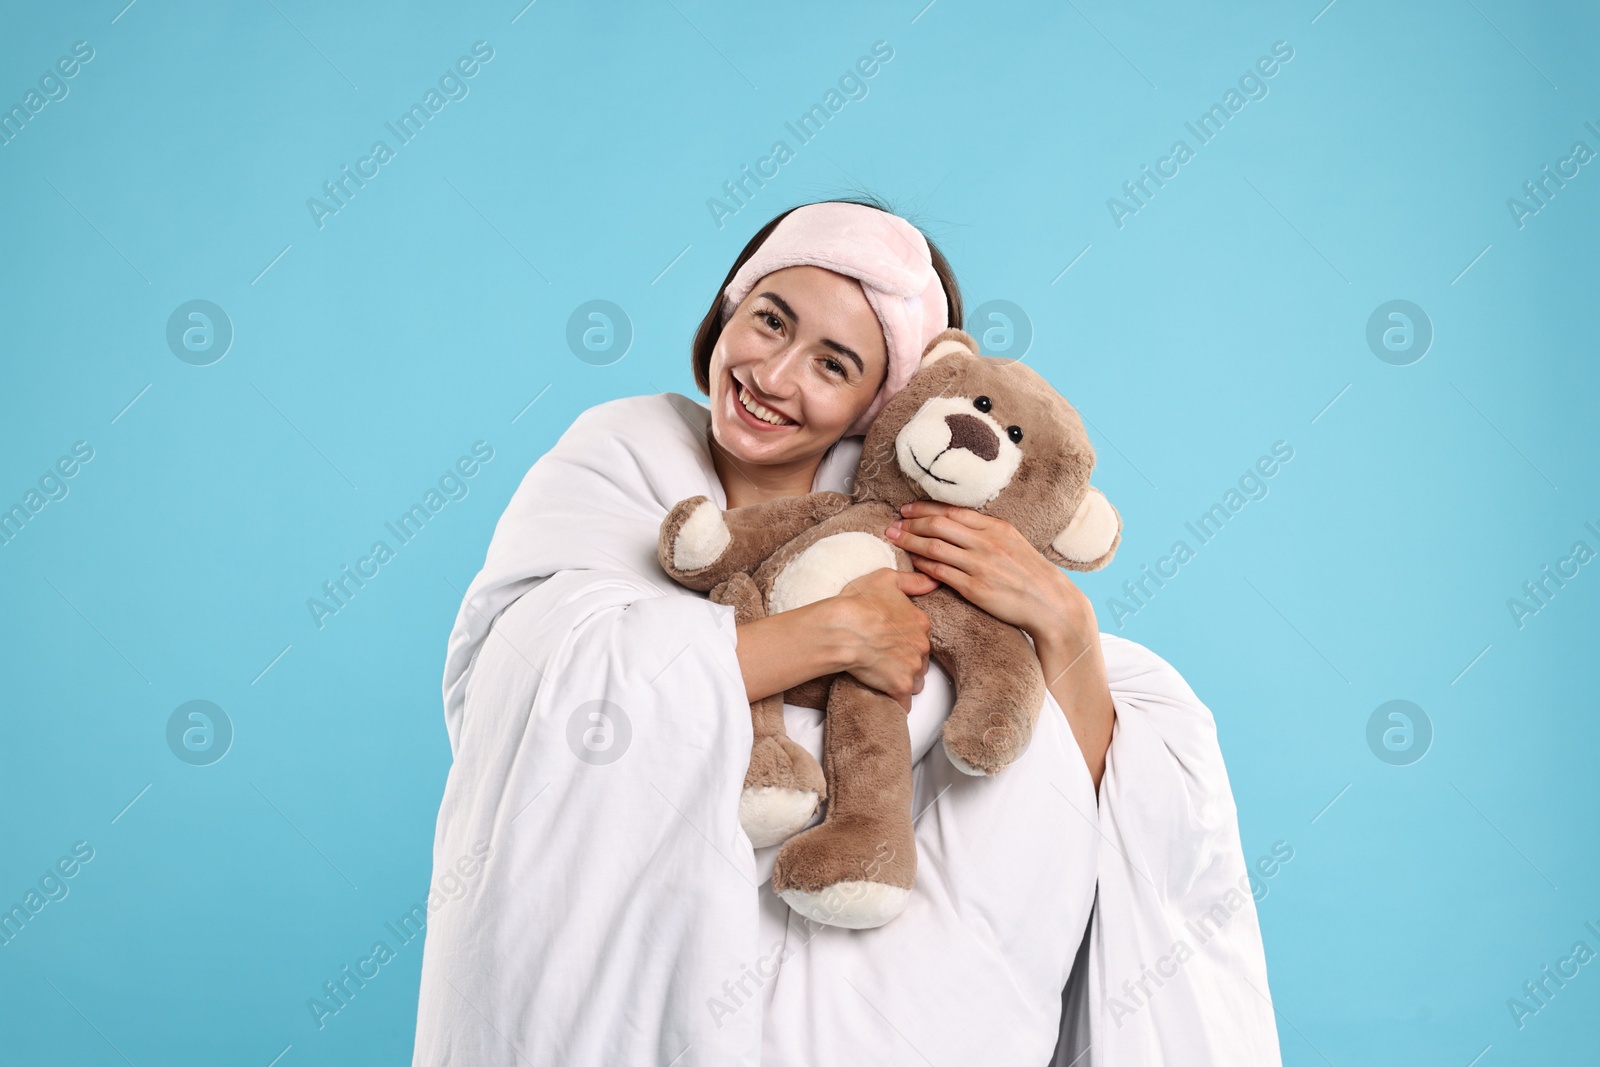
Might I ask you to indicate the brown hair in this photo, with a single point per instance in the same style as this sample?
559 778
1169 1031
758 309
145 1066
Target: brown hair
705 338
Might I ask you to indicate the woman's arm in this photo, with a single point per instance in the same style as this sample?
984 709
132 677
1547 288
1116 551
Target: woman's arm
987 561
1075 673
783 650
871 630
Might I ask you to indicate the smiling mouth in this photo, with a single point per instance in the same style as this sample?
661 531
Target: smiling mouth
913 453
739 397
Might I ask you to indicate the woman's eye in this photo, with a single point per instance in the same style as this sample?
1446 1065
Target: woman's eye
771 320
835 366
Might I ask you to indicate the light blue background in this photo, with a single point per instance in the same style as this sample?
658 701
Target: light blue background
1228 314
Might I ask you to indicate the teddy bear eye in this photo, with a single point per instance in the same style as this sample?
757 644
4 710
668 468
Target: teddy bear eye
982 404
1015 433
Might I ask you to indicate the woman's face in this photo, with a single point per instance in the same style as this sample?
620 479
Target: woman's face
804 349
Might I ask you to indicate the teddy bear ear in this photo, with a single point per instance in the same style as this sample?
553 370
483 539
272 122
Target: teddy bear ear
948 342
1090 538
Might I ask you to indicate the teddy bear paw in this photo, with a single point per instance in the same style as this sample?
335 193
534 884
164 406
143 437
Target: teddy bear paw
781 791
771 814
986 748
701 538
961 764
851 872
854 905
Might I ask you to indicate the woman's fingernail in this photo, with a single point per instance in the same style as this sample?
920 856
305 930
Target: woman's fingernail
894 528
905 509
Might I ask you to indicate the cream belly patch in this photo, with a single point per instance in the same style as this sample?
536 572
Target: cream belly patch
822 570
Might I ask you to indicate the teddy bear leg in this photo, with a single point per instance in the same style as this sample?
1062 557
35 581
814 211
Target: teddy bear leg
856 868
783 784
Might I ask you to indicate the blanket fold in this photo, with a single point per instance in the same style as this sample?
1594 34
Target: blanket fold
600 733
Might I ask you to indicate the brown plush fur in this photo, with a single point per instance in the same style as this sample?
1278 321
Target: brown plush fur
1027 460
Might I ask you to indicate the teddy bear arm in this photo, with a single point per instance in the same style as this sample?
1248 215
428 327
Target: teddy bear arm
702 546
998 683
965 639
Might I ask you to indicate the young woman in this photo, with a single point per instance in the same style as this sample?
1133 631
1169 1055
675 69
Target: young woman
795 366
598 714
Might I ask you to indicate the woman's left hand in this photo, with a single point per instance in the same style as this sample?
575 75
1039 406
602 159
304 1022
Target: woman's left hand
988 561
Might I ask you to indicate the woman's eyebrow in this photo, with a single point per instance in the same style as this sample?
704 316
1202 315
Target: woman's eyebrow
842 350
783 305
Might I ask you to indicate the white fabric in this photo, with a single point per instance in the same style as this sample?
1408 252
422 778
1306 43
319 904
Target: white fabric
623 917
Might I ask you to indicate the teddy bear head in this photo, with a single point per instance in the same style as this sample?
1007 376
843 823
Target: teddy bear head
991 434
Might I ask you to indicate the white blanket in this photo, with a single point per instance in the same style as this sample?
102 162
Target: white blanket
622 916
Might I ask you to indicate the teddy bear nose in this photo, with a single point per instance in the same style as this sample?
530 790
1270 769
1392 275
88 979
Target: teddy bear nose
973 434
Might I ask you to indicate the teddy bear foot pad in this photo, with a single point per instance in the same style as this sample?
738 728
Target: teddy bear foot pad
854 905
772 814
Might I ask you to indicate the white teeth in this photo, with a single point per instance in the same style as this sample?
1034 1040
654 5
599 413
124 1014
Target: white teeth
765 414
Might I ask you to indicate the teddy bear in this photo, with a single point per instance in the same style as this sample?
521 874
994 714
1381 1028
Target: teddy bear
975 431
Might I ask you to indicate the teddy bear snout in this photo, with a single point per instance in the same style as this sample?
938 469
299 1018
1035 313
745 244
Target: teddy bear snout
973 434
954 454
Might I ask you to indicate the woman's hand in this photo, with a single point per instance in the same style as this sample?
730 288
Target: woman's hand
882 636
987 561
870 630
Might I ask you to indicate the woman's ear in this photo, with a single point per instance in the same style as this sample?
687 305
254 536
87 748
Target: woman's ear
1090 538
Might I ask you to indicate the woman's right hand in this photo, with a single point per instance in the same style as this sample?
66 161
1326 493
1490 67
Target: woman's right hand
881 634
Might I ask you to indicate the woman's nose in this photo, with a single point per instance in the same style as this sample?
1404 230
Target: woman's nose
772 375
